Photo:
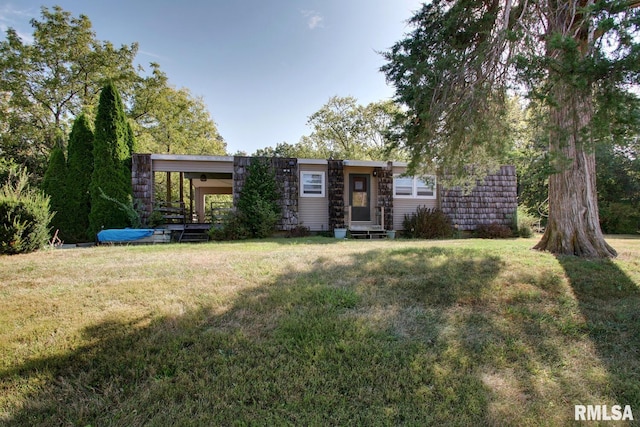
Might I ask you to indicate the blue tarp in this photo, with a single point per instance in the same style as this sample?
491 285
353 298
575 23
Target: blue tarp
124 235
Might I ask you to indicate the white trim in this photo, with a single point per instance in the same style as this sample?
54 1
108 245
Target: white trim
192 158
323 184
365 163
312 162
414 188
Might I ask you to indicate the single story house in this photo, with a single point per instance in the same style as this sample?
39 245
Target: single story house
326 194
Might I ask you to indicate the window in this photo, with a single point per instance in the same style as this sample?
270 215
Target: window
414 188
312 184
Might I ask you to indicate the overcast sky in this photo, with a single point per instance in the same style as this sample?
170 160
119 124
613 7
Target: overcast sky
263 67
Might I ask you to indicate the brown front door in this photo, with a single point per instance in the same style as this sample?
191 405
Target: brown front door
360 196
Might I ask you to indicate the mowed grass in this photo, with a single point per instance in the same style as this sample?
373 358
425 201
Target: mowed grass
317 332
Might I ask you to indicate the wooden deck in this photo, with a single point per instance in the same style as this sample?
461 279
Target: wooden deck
189 232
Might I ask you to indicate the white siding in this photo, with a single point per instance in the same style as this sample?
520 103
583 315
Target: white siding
402 206
313 212
408 206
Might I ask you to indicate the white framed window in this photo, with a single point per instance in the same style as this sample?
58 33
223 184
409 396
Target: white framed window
407 187
311 184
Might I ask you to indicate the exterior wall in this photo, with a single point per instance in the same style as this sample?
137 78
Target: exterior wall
385 193
335 193
286 171
402 206
313 212
142 183
493 201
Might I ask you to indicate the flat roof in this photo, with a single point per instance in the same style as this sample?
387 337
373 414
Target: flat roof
302 161
192 158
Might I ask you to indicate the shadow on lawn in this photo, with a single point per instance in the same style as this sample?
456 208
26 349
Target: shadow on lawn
610 302
387 337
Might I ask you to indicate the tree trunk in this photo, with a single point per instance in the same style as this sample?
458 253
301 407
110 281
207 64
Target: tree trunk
574 224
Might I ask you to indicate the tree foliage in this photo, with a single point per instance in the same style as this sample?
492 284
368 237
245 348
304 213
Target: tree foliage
79 170
345 129
24 214
113 145
55 186
47 82
170 120
257 206
454 70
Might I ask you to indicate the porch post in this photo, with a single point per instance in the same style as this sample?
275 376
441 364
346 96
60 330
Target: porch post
335 192
142 184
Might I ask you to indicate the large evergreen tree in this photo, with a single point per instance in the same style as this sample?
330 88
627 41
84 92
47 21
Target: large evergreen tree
454 70
111 175
79 171
54 185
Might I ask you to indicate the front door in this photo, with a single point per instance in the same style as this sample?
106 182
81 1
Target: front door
360 197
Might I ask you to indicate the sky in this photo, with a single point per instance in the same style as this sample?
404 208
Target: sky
261 66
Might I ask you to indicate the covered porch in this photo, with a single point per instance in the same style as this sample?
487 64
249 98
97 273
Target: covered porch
177 187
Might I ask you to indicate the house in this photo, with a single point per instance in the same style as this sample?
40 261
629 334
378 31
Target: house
364 196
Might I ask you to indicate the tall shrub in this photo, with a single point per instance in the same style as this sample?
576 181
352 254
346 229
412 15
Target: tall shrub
24 215
54 185
112 149
427 223
257 206
79 171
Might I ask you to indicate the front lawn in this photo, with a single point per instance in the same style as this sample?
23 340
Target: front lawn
317 332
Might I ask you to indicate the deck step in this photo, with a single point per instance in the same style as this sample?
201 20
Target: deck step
194 237
362 232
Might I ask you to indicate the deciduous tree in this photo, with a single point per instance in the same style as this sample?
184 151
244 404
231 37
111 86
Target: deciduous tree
46 83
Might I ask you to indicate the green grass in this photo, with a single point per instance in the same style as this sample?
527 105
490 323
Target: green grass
317 332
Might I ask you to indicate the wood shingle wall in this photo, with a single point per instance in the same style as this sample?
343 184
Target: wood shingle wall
142 183
335 192
493 201
286 173
385 193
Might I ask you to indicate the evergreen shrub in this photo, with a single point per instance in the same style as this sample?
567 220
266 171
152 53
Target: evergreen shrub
79 170
257 211
257 208
620 218
111 174
24 215
54 185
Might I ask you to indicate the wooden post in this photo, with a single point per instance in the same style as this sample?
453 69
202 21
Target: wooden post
191 199
181 185
169 189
